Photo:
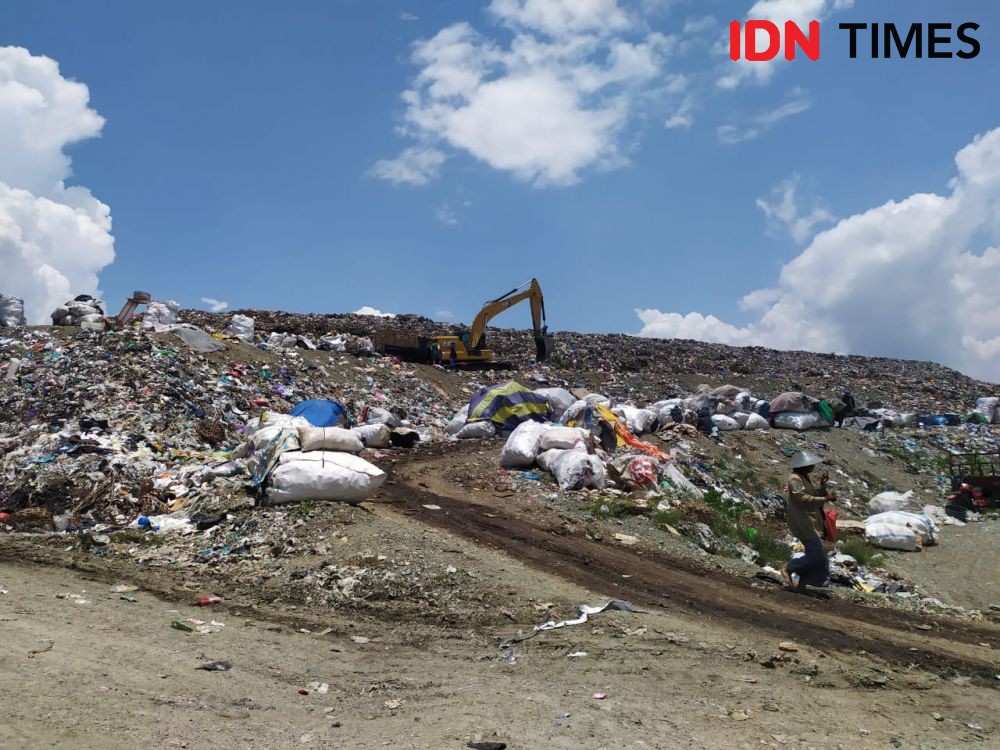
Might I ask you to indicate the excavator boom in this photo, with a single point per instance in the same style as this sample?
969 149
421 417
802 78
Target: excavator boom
530 291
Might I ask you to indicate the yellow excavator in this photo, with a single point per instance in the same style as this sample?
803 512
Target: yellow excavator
470 347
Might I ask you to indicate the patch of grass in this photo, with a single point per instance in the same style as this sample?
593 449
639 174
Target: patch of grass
606 507
860 550
669 517
771 550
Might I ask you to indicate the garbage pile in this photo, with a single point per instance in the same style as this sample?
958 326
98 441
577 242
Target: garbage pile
105 427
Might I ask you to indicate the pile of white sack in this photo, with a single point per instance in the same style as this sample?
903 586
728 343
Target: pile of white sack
160 316
900 530
989 407
11 311
318 463
566 452
83 309
241 328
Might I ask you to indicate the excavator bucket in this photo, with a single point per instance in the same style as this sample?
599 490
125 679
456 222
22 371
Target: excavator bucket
544 346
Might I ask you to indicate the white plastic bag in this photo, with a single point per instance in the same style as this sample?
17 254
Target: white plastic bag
476 430
157 314
756 422
575 470
891 536
892 501
329 439
559 399
593 399
563 437
639 421
573 412
521 448
262 437
796 420
680 482
323 475
374 435
241 327
378 415
921 524
724 423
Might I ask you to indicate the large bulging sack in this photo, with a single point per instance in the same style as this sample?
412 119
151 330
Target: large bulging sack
724 423
241 327
262 436
559 399
159 314
988 406
374 435
756 422
891 536
546 459
378 415
725 391
575 470
922 524
521 448
476 430
794 401
563 437
330 439
11 311
893 501
323 475
796 420
575 411
593 399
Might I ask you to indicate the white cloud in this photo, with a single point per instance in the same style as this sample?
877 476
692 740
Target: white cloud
783 210
547 105
801 12
683 116
695 26
445 215
374 312
408 17
913 278
54 239
759 124
417 165
215 305
444 315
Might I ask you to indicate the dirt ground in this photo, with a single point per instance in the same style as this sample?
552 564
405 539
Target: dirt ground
707 672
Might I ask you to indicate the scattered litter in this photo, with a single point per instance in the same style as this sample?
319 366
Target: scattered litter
586 611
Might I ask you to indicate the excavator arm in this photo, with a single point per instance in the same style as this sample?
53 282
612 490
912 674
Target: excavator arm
530 291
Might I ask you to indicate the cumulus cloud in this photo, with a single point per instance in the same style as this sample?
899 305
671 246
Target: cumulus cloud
735 72
797 102
783 210
215 305
374 312
446 215
54 239
544 106
914 278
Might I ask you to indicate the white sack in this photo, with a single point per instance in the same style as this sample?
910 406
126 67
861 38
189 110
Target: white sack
575 470
756 422
563 437
639 421
921 524
559 399
796 420
476 430
521 448
264 435
330 343
157 313
680 482
374 435
546 459
323 475
458 421
377 415
593 399
891 536
891 501
330 439
573 411
241 327
724 423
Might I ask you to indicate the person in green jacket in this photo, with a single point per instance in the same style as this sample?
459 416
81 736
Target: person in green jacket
804 511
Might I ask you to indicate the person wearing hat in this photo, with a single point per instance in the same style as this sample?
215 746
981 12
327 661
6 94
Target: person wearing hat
804 511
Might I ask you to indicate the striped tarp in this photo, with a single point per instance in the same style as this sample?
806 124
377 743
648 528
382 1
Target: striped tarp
508 405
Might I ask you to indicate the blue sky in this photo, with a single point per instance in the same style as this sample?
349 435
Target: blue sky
248 155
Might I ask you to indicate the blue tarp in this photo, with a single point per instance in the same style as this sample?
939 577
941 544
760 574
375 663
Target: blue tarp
321 412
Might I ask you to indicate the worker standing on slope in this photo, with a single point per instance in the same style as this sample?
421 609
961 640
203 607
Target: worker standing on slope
453 356
804 511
